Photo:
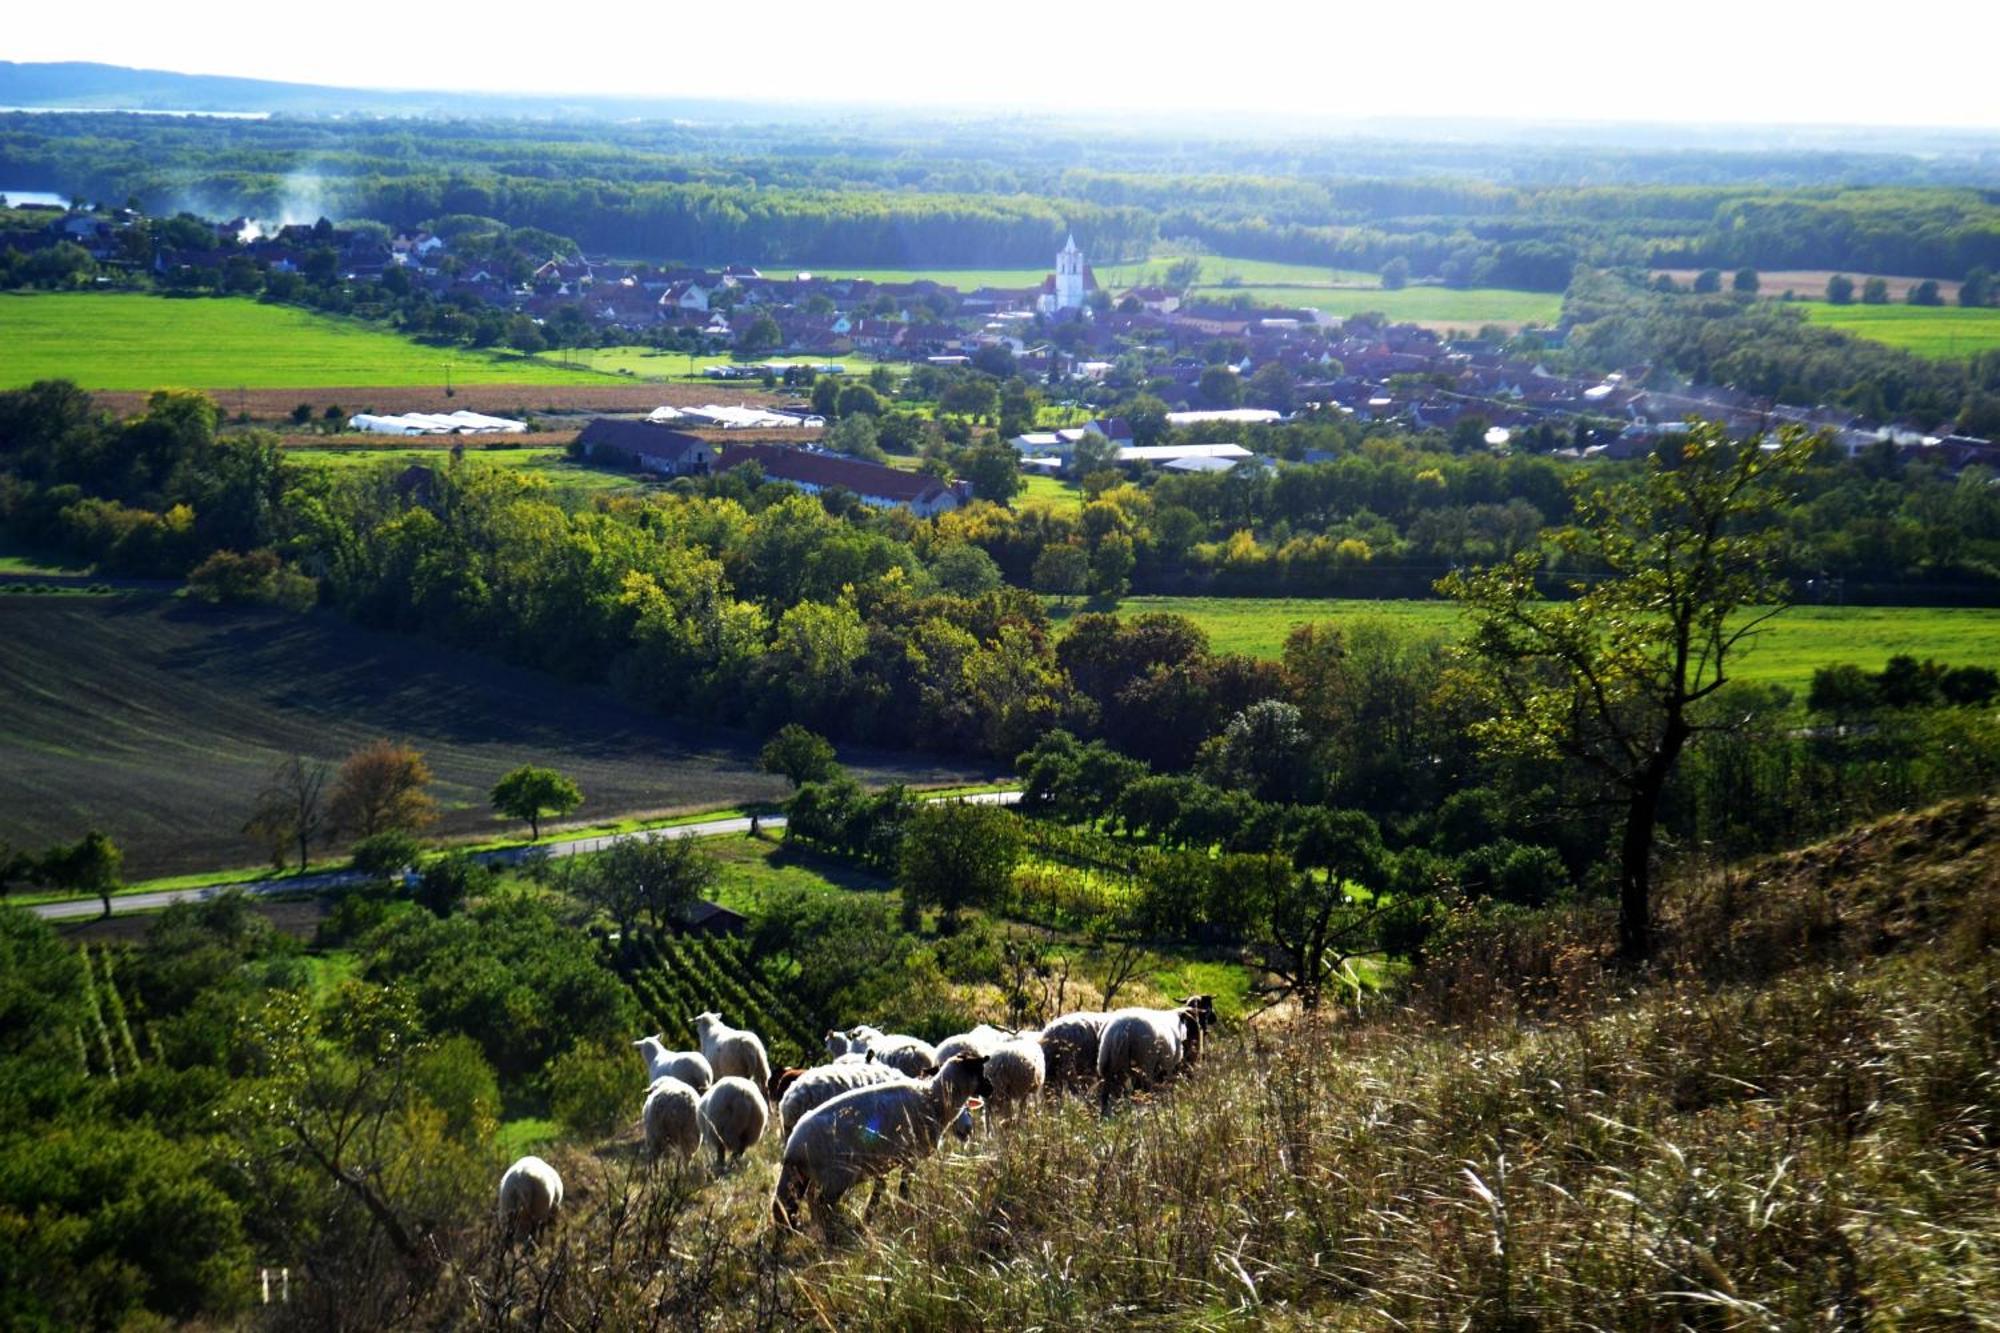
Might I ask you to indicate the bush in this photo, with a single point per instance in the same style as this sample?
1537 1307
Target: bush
386 855
448 881
590 1089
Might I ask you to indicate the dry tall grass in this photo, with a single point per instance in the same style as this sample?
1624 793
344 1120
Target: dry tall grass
1814 1147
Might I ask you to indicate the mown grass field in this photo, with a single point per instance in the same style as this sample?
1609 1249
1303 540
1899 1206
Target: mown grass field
1935 331
1797 642
1051 491
127 340
158 721
1466 308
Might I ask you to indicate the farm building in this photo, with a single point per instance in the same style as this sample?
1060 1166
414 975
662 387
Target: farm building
1247 416
1186 457
649 447
880 487
432 423
719 417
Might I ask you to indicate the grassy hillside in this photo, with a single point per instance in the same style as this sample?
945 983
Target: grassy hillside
124 340
158 722
1938 331
1797 642
1790 1124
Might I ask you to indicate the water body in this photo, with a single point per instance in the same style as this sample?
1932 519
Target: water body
35 197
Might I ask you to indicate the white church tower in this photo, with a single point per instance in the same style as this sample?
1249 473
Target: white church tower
1069 276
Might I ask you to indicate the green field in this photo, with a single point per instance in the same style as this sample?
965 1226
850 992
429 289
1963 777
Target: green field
1468 307
552 464
1797 642
1052 491
1938 331
125 340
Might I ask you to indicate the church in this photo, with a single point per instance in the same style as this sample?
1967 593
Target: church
1070 285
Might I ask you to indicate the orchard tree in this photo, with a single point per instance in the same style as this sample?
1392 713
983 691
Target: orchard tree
1746 282
1840 289
1707 281
1875 291
956 854
802 756
1685 562
530 793
1308 924
1062 570
1396 274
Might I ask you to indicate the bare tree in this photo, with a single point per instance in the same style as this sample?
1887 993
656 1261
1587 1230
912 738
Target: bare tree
291 810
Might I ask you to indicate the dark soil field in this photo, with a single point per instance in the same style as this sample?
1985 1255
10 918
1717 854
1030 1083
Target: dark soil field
158 722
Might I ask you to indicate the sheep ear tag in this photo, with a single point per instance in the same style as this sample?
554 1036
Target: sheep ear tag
975 1103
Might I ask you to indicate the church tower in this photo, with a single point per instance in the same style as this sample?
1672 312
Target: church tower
1069 277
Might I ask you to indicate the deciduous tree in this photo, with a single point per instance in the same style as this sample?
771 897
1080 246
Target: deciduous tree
1611 676
381 786
291 810
530 793
955 855
802 756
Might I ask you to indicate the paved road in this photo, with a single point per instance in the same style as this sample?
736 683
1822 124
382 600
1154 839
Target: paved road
148 902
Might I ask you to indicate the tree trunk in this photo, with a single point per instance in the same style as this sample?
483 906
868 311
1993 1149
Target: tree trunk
1635 858
535 827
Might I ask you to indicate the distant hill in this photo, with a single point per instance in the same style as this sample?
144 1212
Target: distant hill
83 86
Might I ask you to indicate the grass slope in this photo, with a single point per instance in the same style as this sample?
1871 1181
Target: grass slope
551 464
1934 331
1785 1125
1797 642
158 722
124 340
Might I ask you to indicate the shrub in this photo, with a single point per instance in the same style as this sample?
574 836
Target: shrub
590 1088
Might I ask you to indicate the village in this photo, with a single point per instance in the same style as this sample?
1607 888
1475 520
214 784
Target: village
1219 367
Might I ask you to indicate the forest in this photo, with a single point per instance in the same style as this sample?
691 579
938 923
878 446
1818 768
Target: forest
1518 216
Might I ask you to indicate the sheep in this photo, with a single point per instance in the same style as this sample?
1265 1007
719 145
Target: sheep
672 1117
1069 1048
809 1088
869 1132
732 1051
1148 1046
912 1055
1017 1070
690 1067
733 1117
530 1194
980 1041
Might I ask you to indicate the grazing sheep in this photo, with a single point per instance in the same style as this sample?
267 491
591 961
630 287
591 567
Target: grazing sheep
733 1117
912 1055
690 1067
1017 1069
672 1117
732 1051
1146 1047
854 1041
530 1193
1069 1048
869 1132
815 1087
982 1040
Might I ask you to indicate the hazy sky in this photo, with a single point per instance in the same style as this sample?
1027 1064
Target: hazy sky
1704 61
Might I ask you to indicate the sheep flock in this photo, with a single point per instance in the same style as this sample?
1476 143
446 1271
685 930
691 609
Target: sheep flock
881 1103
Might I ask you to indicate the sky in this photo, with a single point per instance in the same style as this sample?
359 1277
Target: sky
1689 61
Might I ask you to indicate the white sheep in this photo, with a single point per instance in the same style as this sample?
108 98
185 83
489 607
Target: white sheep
982 1040
1145 1047
690 1067
854 1041
1069 1047
672 1117
869 1132
1017 1070
530 1194
800 1090
732 1051
734 1116
911 1055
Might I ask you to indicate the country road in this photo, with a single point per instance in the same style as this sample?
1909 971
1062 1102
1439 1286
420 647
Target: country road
79 908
